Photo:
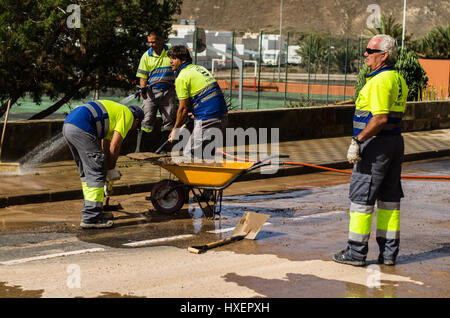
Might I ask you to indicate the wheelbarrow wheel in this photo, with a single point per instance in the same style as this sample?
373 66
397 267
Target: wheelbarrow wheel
167 196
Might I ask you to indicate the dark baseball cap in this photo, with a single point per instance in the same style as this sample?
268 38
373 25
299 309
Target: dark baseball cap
137 113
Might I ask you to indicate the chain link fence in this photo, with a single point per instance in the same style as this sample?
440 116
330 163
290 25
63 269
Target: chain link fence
261 71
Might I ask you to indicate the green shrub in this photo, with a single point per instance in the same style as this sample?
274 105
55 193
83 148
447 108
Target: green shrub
408 66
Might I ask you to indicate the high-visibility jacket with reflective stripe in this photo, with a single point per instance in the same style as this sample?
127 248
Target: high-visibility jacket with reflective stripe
101 118
385 92
156 68
194 82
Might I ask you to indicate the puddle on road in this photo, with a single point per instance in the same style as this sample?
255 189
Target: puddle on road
137 221
284 194
150 225
17 292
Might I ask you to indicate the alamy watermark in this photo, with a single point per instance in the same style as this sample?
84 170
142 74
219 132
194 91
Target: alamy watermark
373 20
74 278
74 19
374 278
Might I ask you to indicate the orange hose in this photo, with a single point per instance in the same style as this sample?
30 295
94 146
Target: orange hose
338 170
314 166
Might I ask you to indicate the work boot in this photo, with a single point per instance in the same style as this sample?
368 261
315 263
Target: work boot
388 262
99 224
343 258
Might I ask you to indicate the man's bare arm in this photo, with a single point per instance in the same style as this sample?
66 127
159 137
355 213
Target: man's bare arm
374 126
111 149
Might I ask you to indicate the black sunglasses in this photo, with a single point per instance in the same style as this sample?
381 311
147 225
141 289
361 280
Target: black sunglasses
371 51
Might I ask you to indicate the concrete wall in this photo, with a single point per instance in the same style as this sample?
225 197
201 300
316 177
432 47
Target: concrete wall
21 137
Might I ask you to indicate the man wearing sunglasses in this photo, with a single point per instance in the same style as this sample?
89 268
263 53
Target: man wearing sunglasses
376 151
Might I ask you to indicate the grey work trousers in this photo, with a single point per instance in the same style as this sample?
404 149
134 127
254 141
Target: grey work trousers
87 152
163 100
199 145
376 179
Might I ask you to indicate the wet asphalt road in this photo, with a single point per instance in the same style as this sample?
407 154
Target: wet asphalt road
44 253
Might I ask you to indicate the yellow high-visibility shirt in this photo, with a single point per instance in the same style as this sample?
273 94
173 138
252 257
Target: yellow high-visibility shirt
120 118
384 92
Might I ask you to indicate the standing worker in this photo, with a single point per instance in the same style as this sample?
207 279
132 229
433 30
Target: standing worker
157 80
199 93
94 133
376 151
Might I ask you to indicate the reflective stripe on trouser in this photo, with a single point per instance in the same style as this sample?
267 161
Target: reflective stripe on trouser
88 155
388 228
376 179
360 222
93 201
388 221
163 100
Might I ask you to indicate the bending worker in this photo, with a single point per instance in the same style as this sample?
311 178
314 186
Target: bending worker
199 93
94 133
157 80
376 151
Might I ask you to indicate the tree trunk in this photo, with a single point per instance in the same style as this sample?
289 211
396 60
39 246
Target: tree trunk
50 110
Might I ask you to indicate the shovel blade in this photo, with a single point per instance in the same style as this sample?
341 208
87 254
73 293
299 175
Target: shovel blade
145 156
250 224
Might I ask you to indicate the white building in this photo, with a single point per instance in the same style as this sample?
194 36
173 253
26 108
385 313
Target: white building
246 47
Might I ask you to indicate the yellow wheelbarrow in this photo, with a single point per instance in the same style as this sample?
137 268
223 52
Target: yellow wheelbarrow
205 180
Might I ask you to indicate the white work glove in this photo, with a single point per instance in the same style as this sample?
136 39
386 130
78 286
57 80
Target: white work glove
113 175
353 152
107 189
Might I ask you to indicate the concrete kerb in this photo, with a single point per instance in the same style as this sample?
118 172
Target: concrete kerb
76 194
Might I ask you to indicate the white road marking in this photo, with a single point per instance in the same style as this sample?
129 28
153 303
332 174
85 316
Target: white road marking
159 240
229 229
317 215
42 257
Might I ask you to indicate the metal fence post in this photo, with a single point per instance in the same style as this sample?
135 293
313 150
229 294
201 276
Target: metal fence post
345 67
259 67
309 63
328 68
231 66
360 53
286 69
195 45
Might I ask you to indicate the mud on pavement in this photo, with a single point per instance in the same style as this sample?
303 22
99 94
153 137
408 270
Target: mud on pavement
144 254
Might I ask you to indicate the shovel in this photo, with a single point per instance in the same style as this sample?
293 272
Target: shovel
248 227
152 156
145 156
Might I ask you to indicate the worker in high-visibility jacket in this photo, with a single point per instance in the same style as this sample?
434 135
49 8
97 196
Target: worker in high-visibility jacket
157 81
94 133
376 150
198 93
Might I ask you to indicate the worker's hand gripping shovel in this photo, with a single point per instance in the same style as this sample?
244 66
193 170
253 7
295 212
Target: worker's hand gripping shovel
169 139
112 176
248 227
